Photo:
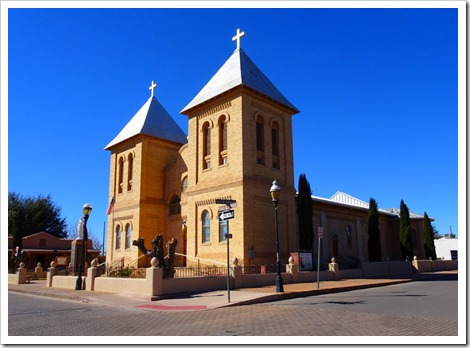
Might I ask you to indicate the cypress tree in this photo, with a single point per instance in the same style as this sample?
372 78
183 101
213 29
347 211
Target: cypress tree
405 233
429 247
305 214
375 251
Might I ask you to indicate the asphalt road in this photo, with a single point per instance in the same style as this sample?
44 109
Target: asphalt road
427 308
429 299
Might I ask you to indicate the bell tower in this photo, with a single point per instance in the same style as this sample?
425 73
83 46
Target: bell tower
240 140
140 154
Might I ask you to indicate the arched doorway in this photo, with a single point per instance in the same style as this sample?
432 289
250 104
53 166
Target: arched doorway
335 246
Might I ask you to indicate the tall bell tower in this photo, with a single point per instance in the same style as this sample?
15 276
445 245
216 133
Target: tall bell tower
240 140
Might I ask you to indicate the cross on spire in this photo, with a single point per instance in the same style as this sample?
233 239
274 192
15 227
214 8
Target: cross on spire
152 87
238 37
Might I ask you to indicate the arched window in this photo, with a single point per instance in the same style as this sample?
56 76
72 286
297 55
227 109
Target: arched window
128 236
130 169
223 229
184 184
260 140
206 146
349 235
175 207
206 227
120 174
118 237
275 145
223 140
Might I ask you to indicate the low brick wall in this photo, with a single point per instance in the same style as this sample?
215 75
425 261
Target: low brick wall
435 265
154 286
377 269
64 282
351 273
385 268
311 276
257 280
19 277
183 285
13 279
122 285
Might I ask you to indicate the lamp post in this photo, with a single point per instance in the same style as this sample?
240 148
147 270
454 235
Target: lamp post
86 213
275 193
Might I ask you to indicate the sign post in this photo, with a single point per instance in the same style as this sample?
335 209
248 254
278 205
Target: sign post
225 214
227 237
320 236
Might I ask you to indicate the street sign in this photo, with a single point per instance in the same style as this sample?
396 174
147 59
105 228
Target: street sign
226 215
228 202
320 232
226 207
228 235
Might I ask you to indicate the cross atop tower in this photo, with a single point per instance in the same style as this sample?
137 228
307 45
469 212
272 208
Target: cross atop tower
152 87
238 37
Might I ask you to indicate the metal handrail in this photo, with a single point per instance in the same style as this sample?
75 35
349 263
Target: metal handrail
198 258
136 261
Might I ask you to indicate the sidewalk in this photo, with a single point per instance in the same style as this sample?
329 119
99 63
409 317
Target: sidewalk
217 299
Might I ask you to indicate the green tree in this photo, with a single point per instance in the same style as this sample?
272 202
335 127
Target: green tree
405 231
435 232
16 214
29 215
305 214
429 247
375 251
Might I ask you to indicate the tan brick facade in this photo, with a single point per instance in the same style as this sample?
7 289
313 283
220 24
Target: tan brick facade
160 167
239 178
140 201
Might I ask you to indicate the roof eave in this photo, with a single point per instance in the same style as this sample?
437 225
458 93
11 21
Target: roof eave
187 111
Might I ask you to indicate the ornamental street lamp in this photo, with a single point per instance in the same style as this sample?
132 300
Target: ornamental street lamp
275 193
86 213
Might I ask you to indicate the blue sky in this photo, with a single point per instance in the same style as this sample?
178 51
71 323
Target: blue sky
377 90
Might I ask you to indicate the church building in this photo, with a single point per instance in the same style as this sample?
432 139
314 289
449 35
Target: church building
239 141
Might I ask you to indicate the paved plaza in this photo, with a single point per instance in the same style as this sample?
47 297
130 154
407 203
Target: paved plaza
252 312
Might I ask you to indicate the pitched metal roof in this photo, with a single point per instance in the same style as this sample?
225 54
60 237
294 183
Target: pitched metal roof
342 197
345 199
396 211
152 119
238 70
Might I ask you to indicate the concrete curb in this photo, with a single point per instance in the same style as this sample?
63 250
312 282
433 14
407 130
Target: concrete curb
296 294
51 294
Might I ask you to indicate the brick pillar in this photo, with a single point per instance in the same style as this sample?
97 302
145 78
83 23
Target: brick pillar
92 273
293 269
50 274
39 270
154 279
22 273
